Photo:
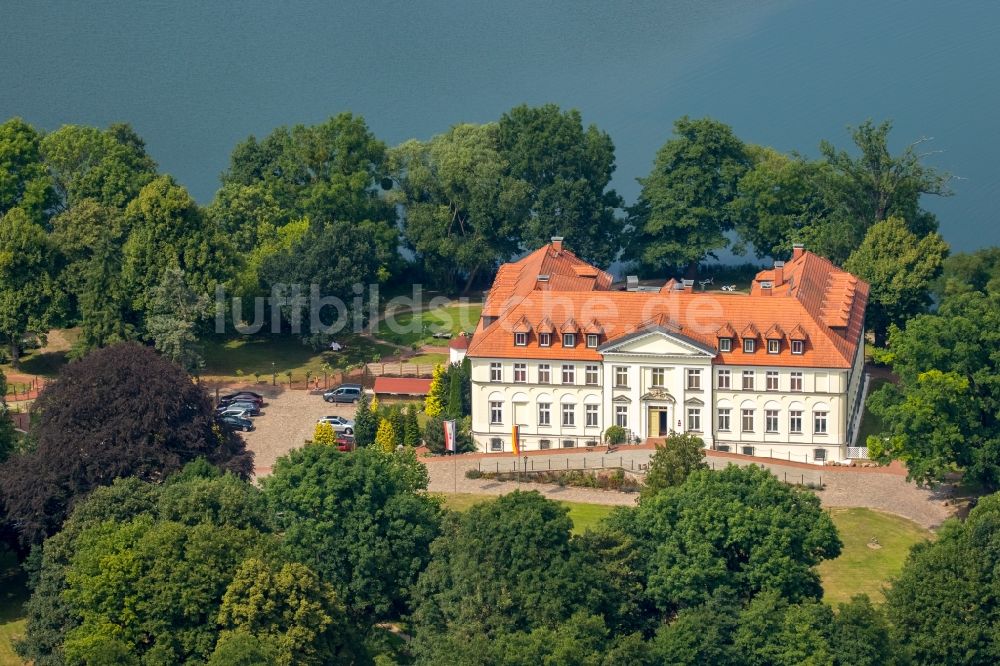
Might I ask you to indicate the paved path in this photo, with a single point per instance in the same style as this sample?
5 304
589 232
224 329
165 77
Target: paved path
843 487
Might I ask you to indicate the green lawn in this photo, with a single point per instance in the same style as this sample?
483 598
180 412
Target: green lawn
249 354
409 329
584 516
861 569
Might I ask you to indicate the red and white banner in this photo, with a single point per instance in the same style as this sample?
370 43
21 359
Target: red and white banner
449 436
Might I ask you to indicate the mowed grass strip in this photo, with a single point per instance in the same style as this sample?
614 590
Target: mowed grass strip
584 516
409 328
860 567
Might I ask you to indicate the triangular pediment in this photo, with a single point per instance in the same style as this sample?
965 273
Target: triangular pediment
657 342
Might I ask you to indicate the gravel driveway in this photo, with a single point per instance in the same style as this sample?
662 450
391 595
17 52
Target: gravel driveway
288 420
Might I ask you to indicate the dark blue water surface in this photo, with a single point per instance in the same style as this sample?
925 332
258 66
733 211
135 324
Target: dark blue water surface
195 78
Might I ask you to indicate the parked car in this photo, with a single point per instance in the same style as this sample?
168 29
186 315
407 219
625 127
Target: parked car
235 423
345 443
252 408
239 412
242 396
339 423
344 393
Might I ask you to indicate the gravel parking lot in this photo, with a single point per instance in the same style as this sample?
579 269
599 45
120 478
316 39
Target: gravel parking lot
287 421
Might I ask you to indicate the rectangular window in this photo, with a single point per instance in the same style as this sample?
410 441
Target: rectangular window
748 376
723 419
544 339
569 415
520 339
591 413
592 340
659 377
545 443
773 346
496 412
797 346
544 413
694 419
819 455
544 373
795 421
591 375
568 443
724 379
746 450
796 381
749 345
520 373
819 423
747 416
569 339
725 344
621 416
496 444
621 376
569 374
771 420
694 379
772 380
496 372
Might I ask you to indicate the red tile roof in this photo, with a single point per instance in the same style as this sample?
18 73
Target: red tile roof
459 342
402 386
815 301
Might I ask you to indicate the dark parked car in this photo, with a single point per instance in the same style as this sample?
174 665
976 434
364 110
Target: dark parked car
242 396
344 393
235 423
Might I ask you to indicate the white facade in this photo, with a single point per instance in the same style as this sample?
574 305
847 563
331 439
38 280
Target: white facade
656 382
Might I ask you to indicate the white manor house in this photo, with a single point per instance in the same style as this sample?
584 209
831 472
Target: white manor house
563 354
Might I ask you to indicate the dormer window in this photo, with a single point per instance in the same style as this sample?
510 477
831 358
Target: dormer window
725 344
773 346
569 340
749 345
544 339
592 340
798 346
521 339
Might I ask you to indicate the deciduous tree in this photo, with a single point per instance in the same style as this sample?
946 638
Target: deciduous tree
900 269
24 181
673 462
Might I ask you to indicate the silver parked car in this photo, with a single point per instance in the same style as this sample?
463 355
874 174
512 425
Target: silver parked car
339 423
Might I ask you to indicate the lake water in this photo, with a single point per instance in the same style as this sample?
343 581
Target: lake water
196 78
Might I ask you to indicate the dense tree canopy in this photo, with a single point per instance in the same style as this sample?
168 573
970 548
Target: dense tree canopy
565 170
673 461
945 606
943 412
900 269
30 300
120 411
685 207
24 180
358 521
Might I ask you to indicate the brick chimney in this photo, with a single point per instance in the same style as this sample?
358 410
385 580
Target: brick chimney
797 250
779 273
557 243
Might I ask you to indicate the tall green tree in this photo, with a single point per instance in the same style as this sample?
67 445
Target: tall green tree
360 520
175 312
89 237
567 169
875 184
970 271
673 462
684 210
461 208
943 413
945 608
167 230
7 434
109 166
365 422
739 530
25 183
900 269
30 299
